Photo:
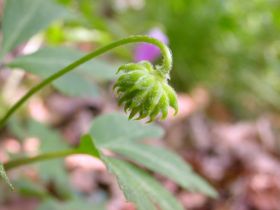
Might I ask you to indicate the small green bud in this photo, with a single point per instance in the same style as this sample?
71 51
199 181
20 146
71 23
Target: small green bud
145 91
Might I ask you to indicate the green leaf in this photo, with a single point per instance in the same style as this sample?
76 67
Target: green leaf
22 19
30 188
115 128
69 205
47 61
17 128
4 176
140 188
51 170
166 163
82 88
87 146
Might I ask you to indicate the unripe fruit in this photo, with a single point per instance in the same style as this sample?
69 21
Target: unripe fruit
144 91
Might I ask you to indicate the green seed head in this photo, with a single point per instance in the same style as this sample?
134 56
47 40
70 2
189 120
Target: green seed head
144 91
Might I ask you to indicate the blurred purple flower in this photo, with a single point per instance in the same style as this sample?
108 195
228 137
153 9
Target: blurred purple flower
144 51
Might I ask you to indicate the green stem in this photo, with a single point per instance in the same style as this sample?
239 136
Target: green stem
46 156
165 68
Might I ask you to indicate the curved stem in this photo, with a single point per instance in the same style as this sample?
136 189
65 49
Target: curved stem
165 68
46 156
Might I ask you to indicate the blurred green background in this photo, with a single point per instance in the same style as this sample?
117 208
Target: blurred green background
229 47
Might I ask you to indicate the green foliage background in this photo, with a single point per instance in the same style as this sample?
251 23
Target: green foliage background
229 47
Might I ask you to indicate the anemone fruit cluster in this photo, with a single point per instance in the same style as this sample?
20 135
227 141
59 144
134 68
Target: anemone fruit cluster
144 91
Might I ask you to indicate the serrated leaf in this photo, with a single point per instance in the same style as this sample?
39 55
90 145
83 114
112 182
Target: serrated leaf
140 188
115 128
166 163
22 19
4 176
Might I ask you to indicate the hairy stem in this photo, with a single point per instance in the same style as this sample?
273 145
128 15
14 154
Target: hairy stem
46 156
165 68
